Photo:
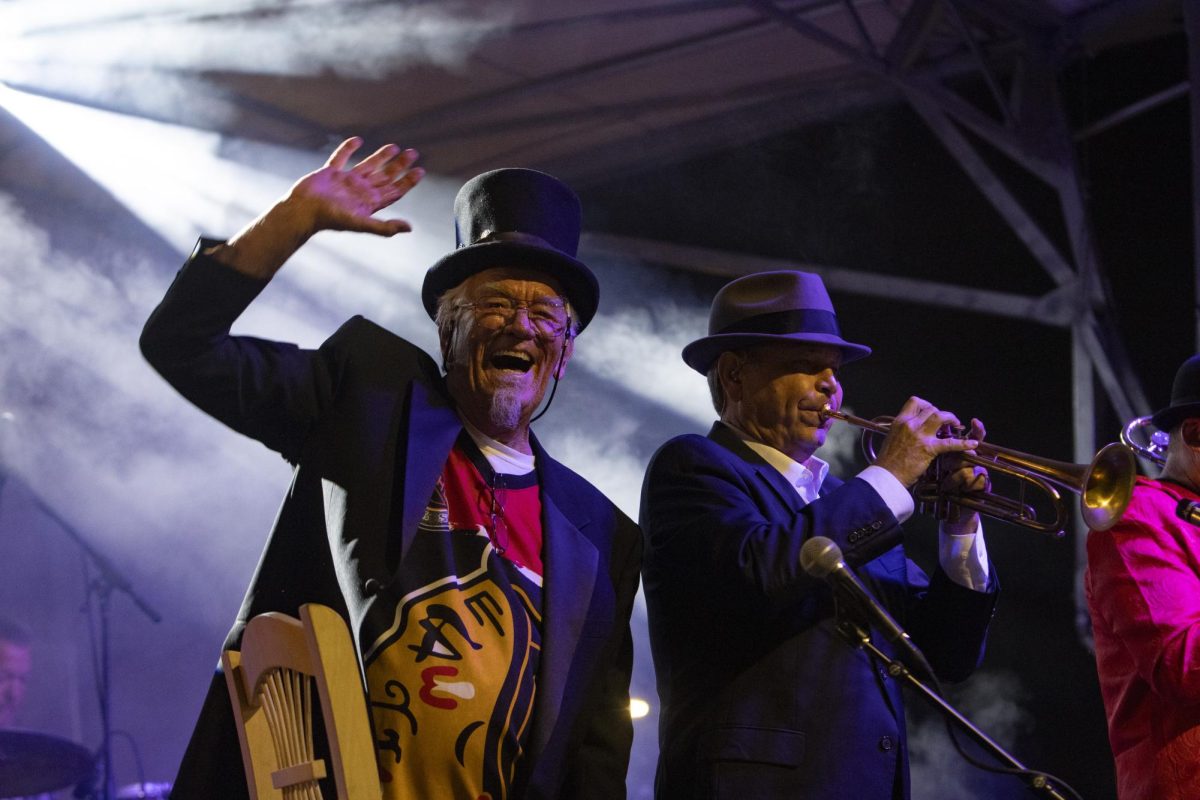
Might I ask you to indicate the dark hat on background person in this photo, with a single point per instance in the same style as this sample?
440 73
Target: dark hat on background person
768 308
1185 396
516 218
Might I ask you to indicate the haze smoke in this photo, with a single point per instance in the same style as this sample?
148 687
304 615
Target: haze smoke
993 702
368 40
153 59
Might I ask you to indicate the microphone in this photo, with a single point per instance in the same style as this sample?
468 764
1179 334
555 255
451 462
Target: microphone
821 558
1188 511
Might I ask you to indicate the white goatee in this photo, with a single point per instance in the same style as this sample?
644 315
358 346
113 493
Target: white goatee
505 409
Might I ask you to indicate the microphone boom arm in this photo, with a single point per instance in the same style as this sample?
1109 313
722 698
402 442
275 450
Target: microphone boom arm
857 637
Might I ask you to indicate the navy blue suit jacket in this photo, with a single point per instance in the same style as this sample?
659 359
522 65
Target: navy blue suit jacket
368 425
760 696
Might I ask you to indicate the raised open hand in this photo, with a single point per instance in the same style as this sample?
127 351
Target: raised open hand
336 198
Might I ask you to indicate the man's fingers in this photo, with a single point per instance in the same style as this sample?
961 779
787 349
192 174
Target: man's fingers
914 408
378 159
967 479
398 164
939 445
389 193
341 155
395 176
925 418
981 481
384 227
408 180
938 420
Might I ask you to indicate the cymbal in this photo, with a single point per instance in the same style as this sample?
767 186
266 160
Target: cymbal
31 763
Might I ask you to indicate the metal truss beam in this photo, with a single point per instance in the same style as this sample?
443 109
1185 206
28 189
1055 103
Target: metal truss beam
1050 309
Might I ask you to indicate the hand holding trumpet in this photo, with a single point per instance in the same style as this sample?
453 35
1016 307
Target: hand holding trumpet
919 434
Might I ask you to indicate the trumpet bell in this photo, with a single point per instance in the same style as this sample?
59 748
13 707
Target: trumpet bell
1108 486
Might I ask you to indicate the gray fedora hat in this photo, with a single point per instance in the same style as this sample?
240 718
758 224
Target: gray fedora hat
766 307
515 217
1185 396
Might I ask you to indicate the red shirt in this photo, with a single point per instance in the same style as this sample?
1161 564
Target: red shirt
509 507
1143 591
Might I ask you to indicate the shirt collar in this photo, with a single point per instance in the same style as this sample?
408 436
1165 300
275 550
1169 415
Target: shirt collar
504 459
804 475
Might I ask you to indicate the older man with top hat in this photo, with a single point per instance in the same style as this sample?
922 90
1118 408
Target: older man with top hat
760 696
487 586
1143 592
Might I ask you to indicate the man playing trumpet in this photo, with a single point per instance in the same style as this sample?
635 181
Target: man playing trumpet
1143 591
759 697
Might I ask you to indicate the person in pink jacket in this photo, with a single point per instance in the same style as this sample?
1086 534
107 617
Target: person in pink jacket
1143 591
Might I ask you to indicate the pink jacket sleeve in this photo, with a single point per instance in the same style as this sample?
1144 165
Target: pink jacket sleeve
1144 583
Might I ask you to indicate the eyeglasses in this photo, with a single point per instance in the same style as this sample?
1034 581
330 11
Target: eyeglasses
548 315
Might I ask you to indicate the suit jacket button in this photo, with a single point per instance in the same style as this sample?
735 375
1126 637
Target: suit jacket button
372 587
885 743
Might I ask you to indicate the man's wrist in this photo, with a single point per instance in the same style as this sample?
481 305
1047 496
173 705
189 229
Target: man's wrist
964 525
263 246
893 493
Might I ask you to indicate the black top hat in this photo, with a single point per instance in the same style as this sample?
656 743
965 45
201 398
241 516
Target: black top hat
516 218
1185 396
783 306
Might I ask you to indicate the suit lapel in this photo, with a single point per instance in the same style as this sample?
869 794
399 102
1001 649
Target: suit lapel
786 493
432 428
570 567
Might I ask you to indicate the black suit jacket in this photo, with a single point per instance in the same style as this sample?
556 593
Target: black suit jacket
368 425
760 696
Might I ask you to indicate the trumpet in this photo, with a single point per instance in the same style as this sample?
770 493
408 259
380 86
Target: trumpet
1104 486
1146 440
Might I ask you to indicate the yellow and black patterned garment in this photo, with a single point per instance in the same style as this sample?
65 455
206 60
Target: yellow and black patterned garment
452 683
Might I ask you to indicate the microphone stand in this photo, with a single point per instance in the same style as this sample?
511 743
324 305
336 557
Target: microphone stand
858 637
109 579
